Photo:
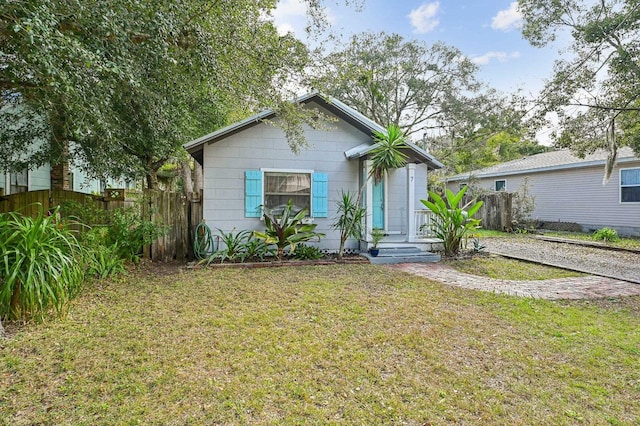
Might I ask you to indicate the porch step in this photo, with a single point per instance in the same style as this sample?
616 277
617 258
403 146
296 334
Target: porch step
390 255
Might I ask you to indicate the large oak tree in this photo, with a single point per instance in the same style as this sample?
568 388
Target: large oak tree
595 86
121 85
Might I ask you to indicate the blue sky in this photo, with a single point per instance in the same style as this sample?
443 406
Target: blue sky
487 31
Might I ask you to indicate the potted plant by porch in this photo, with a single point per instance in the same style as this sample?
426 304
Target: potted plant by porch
376 236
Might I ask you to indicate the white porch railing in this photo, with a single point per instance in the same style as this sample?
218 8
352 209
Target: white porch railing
424 224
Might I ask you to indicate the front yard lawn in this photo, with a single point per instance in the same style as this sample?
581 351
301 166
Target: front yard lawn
341 344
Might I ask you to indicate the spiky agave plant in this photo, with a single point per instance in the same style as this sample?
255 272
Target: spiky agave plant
40 266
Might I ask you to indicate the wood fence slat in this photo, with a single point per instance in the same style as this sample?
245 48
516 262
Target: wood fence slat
179 214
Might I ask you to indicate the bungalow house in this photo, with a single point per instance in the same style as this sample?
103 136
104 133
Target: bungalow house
249 164
570 189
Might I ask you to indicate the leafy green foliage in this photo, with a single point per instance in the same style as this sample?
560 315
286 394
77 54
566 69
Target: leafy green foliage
234 246
452 223
128 81
602 62
88 213
306 252
131 233
40 265
104 261
606 235
397 81
376 236
349 220
287 229
387 153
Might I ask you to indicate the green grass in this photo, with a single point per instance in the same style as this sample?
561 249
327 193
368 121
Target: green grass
509 269
356 344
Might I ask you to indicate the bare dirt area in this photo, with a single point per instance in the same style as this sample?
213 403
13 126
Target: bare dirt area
598 261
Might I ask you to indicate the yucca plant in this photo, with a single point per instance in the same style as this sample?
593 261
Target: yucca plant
287 229
451 223
40 265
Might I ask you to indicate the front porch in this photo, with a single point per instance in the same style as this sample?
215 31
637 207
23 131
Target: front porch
400 247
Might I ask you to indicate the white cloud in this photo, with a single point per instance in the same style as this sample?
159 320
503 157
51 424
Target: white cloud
423 19
290 8
287 14
508 19
499 56
284 29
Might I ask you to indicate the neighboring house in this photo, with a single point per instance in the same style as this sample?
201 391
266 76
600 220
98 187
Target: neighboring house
570 189
249 164
40 178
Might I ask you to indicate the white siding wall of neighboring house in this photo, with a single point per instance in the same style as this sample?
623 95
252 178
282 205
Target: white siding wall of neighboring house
3 186
40 178
576 195
264 146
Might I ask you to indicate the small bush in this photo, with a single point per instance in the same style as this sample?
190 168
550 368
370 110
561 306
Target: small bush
305 252
606 235
131 233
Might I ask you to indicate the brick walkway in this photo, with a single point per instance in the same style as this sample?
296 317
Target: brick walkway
588 287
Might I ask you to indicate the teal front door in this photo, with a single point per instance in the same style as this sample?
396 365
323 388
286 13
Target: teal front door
378 205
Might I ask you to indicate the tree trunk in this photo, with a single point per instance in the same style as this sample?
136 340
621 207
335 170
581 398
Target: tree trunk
198 178
59 153
2 332
187 182
152 180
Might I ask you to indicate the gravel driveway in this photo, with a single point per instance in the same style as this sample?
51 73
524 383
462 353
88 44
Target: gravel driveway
615 264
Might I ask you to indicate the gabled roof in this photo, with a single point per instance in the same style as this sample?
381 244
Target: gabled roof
336 107
546 161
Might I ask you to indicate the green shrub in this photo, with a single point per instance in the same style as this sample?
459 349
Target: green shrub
87 213
131 233
41 265
235 246
452 223
305 252
287 229
606 235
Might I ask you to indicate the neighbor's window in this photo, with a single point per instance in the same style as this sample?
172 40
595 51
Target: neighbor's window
501 185
19 182
280 187
630 185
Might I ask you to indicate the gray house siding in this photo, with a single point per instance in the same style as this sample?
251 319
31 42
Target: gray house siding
576 195
264 146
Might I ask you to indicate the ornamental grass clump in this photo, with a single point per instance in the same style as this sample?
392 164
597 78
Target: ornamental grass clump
41 266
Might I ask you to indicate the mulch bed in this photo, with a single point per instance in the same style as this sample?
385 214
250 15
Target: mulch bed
327 260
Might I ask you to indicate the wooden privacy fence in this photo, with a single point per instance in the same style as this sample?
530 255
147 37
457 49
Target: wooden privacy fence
496 213
176 213
179 215
28 203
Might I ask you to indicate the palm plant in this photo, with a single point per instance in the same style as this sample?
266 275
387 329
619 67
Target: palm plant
349 219
40 265
452 223
287 229
386 155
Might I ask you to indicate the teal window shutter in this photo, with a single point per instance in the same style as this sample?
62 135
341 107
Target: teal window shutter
252 193
320 202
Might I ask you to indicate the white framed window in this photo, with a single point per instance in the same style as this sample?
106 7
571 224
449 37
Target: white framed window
282 186
630 185
19 182
501 185
273 188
